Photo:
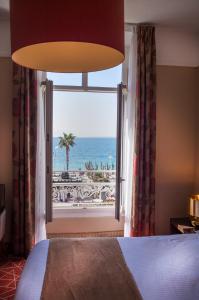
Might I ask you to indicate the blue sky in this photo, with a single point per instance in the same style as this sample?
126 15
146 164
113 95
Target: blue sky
86 114
107 78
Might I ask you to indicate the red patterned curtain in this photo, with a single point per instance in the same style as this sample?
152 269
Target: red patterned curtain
24 158
143 208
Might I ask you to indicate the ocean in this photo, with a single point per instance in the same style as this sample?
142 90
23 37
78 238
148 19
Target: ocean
100 151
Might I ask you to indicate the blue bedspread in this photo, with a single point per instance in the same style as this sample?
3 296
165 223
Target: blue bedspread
164 267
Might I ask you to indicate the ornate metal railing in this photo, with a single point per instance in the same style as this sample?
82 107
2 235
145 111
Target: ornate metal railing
91 187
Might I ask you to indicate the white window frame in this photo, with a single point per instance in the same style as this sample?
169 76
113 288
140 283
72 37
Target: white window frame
61 212
84 87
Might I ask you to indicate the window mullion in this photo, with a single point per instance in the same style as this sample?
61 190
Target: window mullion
85 80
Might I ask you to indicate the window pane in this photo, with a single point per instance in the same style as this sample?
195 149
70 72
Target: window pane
84 176
106 78
65 78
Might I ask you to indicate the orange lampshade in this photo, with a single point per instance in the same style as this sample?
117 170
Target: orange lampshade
67 35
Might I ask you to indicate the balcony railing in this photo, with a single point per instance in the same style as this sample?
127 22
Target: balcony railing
95 188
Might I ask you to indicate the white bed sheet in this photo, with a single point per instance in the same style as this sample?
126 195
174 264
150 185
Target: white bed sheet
32 277
164 267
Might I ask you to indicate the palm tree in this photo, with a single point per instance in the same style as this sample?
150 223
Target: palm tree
67 141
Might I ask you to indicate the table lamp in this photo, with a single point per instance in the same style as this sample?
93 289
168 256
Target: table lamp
194 210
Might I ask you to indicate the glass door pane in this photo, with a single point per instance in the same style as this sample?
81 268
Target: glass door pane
70 79
84 174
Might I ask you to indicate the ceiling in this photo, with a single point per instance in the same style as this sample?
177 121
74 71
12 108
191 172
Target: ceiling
182 14
4 9
173 13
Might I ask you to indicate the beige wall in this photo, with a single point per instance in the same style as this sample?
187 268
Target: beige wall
176 142
6 131
77 225
197 145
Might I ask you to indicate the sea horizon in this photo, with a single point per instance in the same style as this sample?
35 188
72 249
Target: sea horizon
89 137
100 151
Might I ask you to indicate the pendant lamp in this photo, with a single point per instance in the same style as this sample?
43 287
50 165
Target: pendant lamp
67 35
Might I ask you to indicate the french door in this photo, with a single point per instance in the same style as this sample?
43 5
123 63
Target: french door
48 97
48 121
119 151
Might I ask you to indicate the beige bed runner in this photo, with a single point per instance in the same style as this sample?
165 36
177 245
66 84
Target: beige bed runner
87 269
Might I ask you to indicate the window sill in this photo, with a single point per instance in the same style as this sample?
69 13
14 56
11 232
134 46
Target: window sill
94 212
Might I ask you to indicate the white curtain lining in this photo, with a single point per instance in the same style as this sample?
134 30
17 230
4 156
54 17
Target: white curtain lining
40 226
129 130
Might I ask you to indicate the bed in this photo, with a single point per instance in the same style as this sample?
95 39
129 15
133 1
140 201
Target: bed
163 267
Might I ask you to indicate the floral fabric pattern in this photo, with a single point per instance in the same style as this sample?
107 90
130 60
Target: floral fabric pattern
24 158
143 208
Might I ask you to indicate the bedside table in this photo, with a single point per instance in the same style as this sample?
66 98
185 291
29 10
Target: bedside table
181 225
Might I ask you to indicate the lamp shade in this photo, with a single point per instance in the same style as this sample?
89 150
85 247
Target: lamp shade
67 35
